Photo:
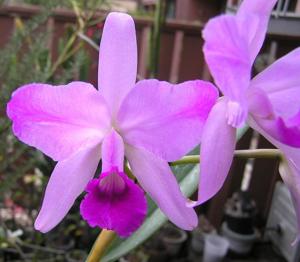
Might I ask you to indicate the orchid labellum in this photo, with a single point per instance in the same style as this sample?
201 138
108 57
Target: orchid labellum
270 102
150 123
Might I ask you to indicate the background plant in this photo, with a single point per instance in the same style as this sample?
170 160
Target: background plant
23 170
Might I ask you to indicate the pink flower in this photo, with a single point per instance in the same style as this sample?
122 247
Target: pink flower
270 102
150 123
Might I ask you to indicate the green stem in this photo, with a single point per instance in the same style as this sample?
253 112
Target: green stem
156 35
101 244
61 57
256 153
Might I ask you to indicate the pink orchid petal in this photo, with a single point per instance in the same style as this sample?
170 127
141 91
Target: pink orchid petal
292 178
58 120
119 208
112 152
229 64
231 59
228 59
287 132
166 119
156 178
66 183
117 59
259 103
216 152
281 82
254 15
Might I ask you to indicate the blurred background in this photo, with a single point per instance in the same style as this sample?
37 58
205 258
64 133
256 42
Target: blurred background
56 42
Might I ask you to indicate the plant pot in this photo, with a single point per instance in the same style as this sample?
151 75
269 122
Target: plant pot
215 248
197 243
155 249
238 243
173 239
198 234
240 225
240 211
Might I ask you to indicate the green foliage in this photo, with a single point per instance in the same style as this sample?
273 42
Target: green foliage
25 59
83 4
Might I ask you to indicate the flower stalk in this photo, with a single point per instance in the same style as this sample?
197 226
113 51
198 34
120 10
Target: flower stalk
101 244
255 153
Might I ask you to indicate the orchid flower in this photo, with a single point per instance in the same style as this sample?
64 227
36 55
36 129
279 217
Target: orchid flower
150 123
270 102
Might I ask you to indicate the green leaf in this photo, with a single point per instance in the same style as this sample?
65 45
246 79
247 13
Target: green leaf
188 177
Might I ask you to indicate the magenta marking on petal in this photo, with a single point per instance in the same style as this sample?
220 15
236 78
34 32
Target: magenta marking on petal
114 202
111 182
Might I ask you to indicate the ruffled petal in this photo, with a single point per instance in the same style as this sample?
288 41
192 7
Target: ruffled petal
281 82
117 59
114 202
166 119
156 178
58 120
66 183
216 152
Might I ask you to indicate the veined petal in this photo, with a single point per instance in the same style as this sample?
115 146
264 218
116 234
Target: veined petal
253 18
216 152
66 183
281 82
156 178
114 202
112 152
166 119
59 120
117 59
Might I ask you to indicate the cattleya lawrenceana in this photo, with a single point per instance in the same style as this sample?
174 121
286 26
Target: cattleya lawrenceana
150 122
270 102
